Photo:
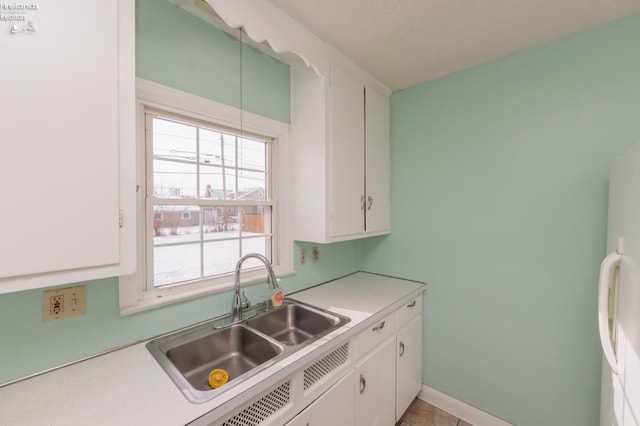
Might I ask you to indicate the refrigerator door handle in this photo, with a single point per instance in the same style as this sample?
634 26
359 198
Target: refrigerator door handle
603 309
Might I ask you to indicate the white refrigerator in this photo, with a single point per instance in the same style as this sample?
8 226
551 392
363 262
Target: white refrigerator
619 297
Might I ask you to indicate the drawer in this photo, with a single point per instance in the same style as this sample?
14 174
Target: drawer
409 311
376 334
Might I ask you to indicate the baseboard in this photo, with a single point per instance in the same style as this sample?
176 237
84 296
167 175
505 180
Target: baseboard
460 409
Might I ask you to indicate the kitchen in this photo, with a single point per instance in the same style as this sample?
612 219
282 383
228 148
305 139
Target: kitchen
499 189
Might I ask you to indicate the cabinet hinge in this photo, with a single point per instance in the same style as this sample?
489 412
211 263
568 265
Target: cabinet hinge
121 218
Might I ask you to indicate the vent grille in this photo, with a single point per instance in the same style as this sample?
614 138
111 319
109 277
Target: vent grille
260 410
326 365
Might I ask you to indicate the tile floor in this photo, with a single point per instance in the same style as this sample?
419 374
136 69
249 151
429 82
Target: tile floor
422 414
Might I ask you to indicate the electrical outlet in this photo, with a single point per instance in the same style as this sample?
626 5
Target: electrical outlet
303 257
316 254
64 303
56 305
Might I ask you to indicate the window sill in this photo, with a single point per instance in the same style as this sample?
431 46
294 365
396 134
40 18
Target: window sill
168 296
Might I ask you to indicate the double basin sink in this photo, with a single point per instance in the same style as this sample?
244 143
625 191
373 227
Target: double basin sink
242 349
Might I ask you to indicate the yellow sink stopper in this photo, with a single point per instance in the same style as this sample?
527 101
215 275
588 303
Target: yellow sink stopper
218 377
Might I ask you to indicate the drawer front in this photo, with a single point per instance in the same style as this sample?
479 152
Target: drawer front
409 311
376 334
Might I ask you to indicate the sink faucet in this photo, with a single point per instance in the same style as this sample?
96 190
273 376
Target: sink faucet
241 302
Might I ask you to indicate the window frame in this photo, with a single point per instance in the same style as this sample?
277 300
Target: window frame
152 200
134 295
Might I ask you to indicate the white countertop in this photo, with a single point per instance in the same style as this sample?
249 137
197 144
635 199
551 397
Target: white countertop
128 386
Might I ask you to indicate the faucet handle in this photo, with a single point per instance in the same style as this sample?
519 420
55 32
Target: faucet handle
245 301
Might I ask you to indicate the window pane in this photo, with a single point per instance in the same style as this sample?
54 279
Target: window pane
220 257
256 245
252 154
210 147
229 147
259 245
176 263
173 180
212 183
254 221
217 185
220 223
173 140
175 224
251 185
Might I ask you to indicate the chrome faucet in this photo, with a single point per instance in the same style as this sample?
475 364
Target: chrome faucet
241 302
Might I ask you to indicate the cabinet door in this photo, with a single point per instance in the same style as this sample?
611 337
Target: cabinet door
347 155
60 163
334 407
378 167
376 384
409 365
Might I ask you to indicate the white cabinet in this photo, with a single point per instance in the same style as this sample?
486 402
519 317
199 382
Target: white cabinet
376 379
68 158
408 365
360 202
378 166
340 132
389 364
408 355
347 155
376 373
335 407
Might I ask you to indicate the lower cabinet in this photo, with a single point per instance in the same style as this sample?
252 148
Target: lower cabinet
368 381
408 365
376 383
335 407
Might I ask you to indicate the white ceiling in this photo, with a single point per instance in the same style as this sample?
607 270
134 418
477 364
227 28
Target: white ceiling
406 42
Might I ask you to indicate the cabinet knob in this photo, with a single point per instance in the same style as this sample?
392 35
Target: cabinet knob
370 200
401 348
363 383
363 202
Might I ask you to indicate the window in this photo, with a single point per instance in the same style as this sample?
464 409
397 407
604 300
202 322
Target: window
209 200
210 191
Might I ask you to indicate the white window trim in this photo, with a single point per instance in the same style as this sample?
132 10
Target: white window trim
133 294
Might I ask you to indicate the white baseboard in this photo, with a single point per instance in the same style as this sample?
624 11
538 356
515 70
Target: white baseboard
460 409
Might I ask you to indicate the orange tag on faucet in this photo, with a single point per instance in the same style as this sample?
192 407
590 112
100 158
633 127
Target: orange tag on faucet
277 297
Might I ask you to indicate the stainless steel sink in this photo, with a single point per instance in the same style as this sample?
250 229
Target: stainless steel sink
188 356
242 349
294 323
236 349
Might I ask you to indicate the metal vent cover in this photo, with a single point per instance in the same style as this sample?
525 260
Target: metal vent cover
260 410
326 365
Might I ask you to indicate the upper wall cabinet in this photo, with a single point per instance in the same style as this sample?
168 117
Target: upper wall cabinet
339 127
68 161
341 143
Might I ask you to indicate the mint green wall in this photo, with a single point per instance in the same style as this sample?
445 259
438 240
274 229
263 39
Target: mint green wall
177 49
499 198
30 345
